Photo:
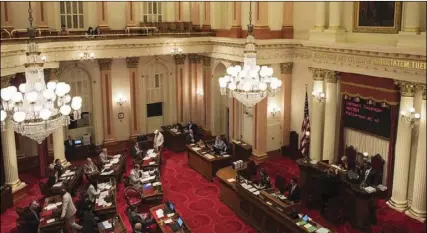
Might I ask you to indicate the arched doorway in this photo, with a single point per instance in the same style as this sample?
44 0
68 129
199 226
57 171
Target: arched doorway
219 103
80 83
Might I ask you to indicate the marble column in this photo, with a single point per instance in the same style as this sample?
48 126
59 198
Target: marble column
58 146
418 205
207 81
180 66
316 118
107 100
399 196
102 15
236 19
287 25
320 23
329 137
412 17
195 74
335 9
259 148
207 17
195 14
130 14
135 124
7 17
285 95
10 162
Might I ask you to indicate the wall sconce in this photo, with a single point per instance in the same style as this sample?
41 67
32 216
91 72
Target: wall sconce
410 117
44 58
274 111
121 100
307 133
319 96
365 154
86 56
199 92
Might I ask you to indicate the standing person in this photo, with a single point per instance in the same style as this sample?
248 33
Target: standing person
69 147
31 215
294 191
69 211
158 140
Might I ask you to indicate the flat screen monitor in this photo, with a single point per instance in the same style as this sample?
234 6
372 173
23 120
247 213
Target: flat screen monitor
155 109
180 222
305 218
171 206
78 142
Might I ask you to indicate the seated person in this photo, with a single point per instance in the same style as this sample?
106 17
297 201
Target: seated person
368 175
265 179
92 191
136 152
64 31
343 164
136 176
51 180
192 127
89 222
190 137
293 190
31 216
145 219
90 168
104 157
58 169
83 204
219 145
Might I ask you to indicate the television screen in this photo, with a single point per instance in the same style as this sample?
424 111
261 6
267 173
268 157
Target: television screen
155 109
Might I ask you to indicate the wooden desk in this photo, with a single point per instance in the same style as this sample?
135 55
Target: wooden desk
174 141
359 205
164 227
106 212
69 183
118 170
264 212
204 165
241 150
119 226
45 215
150 162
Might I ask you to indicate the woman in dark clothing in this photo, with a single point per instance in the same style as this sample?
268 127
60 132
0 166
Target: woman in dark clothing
89 222
97 31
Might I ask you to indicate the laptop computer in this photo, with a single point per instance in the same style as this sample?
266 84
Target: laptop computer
77 143
177 225
170 208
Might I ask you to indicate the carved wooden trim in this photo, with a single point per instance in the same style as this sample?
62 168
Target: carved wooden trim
407 89
179 59
105 64
195 58
286 68
132 62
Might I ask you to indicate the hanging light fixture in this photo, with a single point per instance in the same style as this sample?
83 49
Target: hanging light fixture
175 51
86 56
37 109
251 83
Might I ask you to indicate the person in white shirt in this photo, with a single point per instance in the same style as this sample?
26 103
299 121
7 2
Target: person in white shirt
69 211
103 156
219 144
158 140
93 191
135 176
90 168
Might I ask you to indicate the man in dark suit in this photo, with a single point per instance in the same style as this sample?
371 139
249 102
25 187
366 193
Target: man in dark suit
368 175
143 218
69 147
31 216
293 191
193 127
190 137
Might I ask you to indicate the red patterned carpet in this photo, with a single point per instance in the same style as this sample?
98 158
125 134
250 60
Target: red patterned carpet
197 200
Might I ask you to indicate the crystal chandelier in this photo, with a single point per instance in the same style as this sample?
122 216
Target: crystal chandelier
37 109
252 83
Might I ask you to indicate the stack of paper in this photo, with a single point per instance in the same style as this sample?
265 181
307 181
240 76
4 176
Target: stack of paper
151 163
51 206
150 151
146 158
148 179
170 215
107 224
50 220
231 180
196 148
322 230
152 155
382 187
117 156
107 173
159 213
209 156
370 189
114 161
59 184
157 183
167 221
225 155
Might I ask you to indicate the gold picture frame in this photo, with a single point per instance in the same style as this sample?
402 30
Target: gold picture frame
371 25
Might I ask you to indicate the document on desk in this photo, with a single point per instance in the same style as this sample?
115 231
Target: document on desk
107 173
157 183
150 151
208 156
59 184
107 224
252 190
117 156
146 158
196 148
160 213
225 155
168 221
50 206
50 220
231 180
322 230
370 189
151 163
256 193
170 215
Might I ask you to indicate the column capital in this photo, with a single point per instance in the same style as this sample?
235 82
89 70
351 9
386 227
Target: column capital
5 80
206 61
132 62
195 58
105 64
179 59
422 88
318 74
407 89
331 76
286 68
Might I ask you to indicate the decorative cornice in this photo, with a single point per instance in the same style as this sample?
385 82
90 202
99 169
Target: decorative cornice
286 68
407 89
318 74
331 76
194 58
179 59
132 62
105 64
206 61
5 80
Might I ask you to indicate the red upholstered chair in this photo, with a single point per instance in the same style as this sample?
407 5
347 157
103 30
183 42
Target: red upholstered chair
133 196
378 165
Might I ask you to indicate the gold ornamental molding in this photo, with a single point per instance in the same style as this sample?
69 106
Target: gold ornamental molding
206 61
318 74
422 88
132 62
286 68
331 76
195 58
179 59
105 64
407 89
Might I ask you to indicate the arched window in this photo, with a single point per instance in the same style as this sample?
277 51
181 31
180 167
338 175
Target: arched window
72 14
152 12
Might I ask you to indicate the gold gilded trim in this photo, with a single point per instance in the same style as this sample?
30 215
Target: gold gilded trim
369 97
369 87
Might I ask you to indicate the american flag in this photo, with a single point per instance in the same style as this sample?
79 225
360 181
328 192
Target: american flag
305 140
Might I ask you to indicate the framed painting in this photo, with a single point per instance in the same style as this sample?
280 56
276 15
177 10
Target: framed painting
377 17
